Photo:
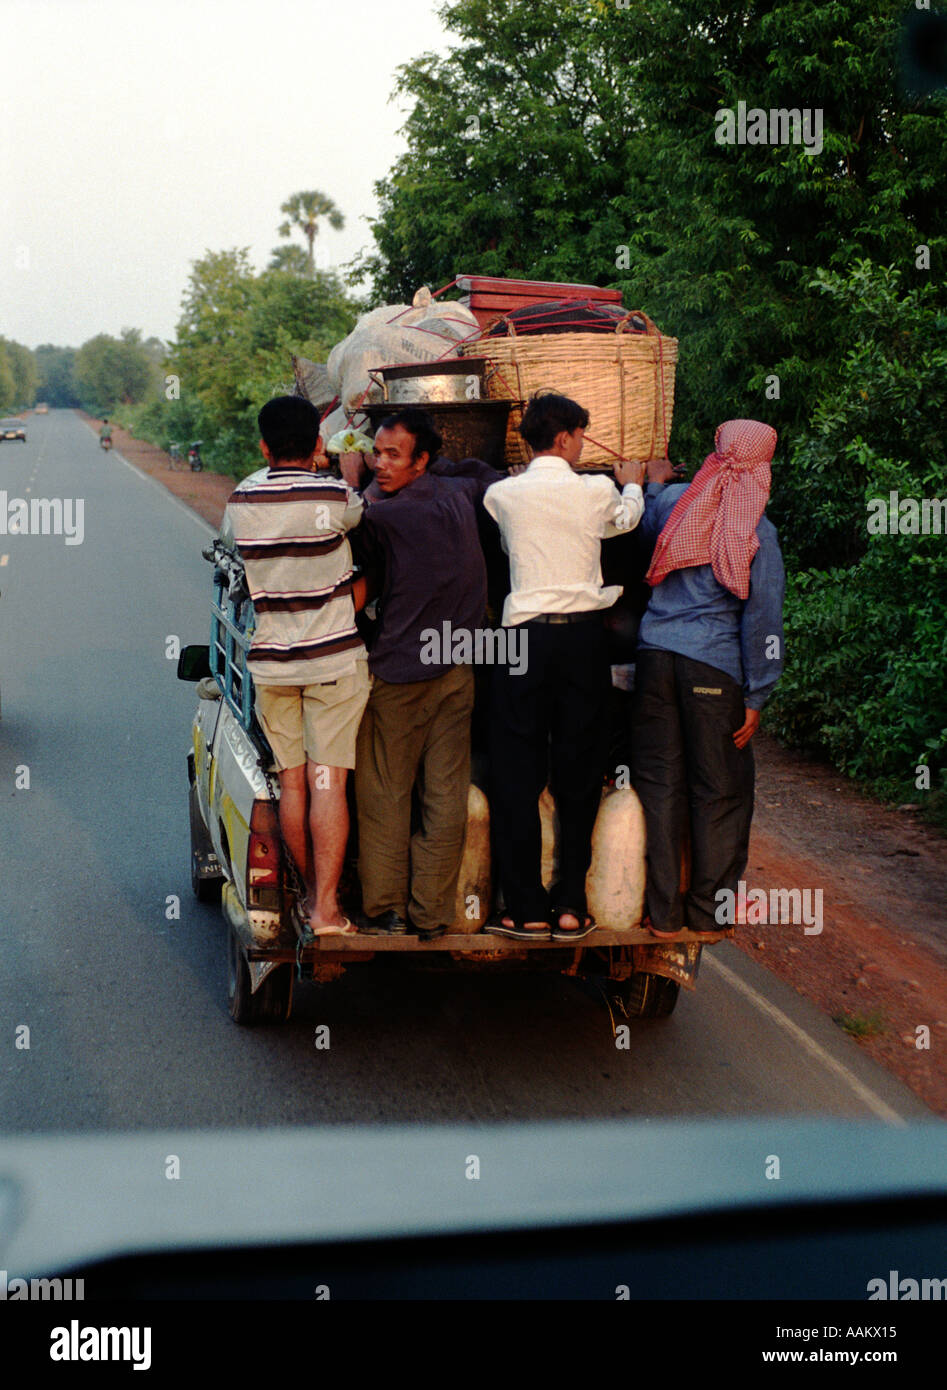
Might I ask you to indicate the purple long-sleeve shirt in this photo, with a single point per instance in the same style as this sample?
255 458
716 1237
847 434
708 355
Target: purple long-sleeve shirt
424 542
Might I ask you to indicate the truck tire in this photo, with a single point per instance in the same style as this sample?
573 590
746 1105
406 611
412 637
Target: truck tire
205 890
647 996
272 1002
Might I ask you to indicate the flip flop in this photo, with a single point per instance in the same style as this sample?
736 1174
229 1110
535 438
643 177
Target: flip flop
348 928
517 929
585 924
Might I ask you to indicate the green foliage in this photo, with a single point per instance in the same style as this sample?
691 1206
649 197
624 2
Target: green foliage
292 258
57 381
8 399
111 371
861 1025
235 340
577 141
866 641
887 399
304 211
19 375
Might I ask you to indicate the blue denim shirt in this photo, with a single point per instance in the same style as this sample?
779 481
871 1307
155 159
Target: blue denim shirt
689 612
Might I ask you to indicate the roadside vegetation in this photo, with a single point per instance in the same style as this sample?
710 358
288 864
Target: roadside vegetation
18 376
236 337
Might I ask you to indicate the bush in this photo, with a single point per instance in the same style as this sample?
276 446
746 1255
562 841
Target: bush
866 641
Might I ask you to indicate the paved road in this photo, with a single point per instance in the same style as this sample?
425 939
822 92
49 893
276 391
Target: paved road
126 1008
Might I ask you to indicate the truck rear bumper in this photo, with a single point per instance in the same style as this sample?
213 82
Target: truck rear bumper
474 944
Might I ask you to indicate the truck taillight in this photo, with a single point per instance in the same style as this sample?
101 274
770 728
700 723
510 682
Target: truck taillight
263 850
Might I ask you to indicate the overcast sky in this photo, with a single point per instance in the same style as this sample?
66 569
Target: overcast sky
137 134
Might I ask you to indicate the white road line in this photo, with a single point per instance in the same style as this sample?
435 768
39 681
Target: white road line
799 1035
145 477
165 493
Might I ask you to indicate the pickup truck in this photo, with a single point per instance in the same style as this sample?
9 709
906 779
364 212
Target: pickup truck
237 858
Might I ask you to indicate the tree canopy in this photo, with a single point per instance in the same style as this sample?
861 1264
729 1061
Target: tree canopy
18 375
577 141
111 371
235 339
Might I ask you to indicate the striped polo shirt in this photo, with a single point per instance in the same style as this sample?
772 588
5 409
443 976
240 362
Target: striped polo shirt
290 526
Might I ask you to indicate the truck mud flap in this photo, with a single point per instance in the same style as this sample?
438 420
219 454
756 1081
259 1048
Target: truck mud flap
675 960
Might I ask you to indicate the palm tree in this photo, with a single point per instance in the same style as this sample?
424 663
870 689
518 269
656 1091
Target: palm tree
303 210
292 258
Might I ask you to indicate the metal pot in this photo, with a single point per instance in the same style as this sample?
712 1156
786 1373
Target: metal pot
455 379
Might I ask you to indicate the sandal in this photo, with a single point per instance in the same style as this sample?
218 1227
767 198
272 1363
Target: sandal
585 923
310 934
517 928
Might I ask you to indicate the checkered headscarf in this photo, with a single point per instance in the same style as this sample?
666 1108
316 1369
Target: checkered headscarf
714 522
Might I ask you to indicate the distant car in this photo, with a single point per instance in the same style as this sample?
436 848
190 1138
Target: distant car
12 429
42 408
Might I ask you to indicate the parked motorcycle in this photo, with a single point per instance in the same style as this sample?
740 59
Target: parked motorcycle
194 456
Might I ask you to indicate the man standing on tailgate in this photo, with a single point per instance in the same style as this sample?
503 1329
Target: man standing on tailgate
421 549
307 659
710 651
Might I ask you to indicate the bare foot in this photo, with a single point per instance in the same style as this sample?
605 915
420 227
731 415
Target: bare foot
328 919
569 922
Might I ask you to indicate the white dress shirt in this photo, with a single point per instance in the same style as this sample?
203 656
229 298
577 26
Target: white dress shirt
551 522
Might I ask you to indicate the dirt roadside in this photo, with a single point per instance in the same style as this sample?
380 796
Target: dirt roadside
880 960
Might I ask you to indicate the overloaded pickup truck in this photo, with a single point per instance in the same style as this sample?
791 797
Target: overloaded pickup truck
237 858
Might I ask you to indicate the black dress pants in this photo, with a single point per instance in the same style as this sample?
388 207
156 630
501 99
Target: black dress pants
687 769
549 722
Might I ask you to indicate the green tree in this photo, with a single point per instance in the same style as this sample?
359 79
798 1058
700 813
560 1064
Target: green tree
23 374
578 141
235 340
866 639
304 211
112 371
56 368
7 381
291 258
207 355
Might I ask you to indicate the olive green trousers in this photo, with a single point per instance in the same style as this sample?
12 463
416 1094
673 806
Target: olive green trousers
415 734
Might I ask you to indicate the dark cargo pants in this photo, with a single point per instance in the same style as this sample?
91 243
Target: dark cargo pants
686 769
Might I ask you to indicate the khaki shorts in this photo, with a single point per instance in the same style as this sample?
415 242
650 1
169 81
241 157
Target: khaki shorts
318 722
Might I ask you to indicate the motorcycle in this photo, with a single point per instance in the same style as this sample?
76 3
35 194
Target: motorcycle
105 441
194 456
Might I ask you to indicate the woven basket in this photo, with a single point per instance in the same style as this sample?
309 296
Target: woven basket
624 380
